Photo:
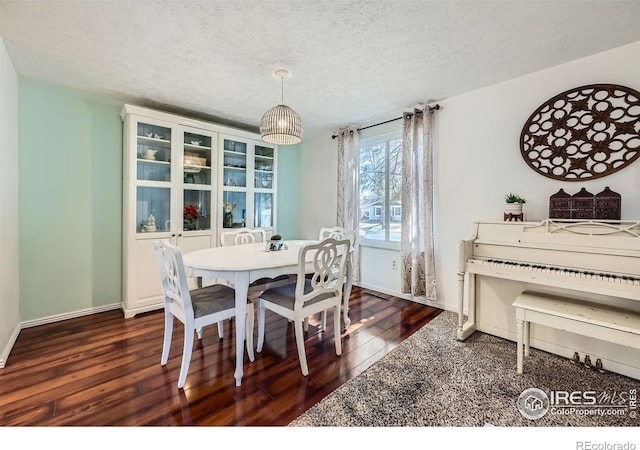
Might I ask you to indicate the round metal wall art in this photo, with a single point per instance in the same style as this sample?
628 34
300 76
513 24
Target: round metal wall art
584 133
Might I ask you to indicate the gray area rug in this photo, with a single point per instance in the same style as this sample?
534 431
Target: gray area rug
432 379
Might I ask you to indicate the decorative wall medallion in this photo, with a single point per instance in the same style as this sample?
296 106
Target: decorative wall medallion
584 133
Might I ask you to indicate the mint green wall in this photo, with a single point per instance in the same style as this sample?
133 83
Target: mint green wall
289 191
70 200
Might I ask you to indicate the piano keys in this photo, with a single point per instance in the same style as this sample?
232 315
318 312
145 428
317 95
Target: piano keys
592 260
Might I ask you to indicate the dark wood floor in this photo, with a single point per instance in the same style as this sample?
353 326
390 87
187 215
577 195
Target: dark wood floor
105 370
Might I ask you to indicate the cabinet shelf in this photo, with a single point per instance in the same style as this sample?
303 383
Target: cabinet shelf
270 158
197 148
196 187
235 168
233 152
153 184
154 141
191 168
153 162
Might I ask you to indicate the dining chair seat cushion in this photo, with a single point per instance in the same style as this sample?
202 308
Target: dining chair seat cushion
285 296
212 299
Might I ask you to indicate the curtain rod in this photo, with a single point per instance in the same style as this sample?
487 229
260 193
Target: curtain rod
431 109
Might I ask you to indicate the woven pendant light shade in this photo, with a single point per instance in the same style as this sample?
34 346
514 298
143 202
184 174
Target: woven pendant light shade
281 125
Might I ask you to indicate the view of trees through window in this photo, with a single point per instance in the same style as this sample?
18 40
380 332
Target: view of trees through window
380 188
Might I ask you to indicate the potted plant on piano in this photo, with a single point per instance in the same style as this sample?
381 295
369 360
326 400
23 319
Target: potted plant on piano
513 207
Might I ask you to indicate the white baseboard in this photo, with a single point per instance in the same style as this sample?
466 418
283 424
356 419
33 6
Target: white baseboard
45 320
69 315
421 300
7 348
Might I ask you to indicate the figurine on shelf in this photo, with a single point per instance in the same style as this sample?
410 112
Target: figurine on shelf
227 219
151 223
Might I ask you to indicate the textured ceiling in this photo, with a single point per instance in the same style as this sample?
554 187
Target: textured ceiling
351 60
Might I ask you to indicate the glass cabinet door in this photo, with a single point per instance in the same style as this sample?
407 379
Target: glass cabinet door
153 152
196 214
234 209
196 159
153 174
248 192
263 210
263 183
263 174
197 166
234 163
153 209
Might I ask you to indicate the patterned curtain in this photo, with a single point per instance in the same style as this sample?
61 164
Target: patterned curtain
416 249
349 188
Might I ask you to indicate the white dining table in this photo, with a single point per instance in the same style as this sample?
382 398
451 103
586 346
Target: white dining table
241 265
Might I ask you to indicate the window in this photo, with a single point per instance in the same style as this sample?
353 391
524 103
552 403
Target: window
380 188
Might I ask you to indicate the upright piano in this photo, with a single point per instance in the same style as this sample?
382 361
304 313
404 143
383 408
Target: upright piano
595 261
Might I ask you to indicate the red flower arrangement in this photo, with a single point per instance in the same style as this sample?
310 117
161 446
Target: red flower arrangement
190 212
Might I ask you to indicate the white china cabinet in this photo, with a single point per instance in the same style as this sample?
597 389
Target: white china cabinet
173 190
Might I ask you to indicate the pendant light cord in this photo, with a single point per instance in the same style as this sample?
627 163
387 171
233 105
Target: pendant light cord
282 89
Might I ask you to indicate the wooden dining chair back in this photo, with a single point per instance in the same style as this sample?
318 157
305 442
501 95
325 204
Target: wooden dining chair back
319 292
194 308
242 236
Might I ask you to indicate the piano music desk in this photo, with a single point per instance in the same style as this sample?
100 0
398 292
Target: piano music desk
575 316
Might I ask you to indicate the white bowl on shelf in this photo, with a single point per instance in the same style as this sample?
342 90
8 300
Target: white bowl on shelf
149 154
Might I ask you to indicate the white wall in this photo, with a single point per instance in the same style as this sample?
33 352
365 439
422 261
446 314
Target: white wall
319 190
478 161
479 154
9 282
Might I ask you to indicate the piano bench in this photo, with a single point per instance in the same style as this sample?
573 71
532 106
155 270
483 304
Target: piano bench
576 316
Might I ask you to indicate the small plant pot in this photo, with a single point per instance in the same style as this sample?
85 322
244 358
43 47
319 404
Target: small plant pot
275 245
513 208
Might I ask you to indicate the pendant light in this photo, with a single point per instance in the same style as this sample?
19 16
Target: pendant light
281 124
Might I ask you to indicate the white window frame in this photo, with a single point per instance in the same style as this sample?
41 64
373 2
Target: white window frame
368 140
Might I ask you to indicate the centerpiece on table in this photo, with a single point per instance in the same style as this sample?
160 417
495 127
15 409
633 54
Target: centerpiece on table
276 243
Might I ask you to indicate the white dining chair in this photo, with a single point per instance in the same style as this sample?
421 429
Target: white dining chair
242 236
194 308
338 233
308 296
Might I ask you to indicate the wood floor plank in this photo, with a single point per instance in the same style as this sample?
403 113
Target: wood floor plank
104 370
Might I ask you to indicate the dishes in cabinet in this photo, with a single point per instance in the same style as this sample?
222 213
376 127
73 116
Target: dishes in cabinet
194 160
149 154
